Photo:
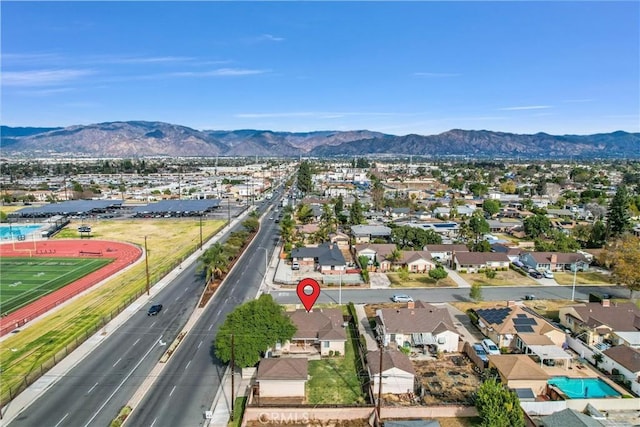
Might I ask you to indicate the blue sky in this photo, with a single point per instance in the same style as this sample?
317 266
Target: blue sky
393 67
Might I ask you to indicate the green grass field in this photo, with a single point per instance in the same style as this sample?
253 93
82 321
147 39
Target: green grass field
24 280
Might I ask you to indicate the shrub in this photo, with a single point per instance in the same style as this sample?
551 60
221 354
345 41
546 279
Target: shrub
331 353
336 353
463 271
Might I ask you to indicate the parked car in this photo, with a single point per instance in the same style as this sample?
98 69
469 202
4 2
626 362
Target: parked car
489 346
536 274
154 309
401 298
480 352
547 274
295 265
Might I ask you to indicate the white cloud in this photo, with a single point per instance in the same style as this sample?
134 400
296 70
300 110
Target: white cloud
45 92
220 72
140 59
526 107
42 77
270 37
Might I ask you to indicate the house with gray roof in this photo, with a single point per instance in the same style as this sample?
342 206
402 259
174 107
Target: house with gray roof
568 418
472 262
367 233
418 324
325 258
597 321
555 261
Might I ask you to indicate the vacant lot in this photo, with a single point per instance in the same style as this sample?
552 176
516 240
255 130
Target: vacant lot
419 280
450 379
582 278
503 278
24 280
168 241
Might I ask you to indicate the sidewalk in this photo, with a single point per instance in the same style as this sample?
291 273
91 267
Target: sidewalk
220 412
365 328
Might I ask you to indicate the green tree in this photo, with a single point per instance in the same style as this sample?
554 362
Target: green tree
377 195
3 216
478 188
598 235
338 205
618 214
536 225
491 206
355 213
498 406
255 327
327 221
363 260
476 292
438 273
478 225
251 224
304 214
304 184
214 261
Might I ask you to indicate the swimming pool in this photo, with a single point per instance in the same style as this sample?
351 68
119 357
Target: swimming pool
14 230
583 388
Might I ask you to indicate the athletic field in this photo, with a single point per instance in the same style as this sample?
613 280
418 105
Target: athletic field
24 280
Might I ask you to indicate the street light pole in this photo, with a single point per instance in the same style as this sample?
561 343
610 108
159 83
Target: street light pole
573 288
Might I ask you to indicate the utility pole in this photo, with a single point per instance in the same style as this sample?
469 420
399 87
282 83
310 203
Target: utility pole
232 376
200 231
380 388
228 212
146 261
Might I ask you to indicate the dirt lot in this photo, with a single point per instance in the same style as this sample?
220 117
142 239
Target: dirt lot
448 380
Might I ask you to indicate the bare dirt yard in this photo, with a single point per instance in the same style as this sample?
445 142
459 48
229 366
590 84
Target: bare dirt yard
450 379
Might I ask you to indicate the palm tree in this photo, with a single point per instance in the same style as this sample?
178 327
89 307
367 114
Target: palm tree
214 260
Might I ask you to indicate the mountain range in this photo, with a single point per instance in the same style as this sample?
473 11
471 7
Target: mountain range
146 139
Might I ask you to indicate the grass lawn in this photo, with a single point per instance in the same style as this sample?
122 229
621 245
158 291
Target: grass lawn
582 278
508 278
24 280
335 380
11 208
419 280
168 242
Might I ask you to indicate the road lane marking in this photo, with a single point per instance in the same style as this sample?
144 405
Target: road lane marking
218 313
200 344
120 385
177 298
210 327
188 363
136 342
154 422
60 422
117 361
172 390
152 324
91 389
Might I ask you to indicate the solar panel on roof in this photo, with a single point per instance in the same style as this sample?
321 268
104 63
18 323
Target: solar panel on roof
523 328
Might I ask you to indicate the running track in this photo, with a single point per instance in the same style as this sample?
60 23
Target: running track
124 254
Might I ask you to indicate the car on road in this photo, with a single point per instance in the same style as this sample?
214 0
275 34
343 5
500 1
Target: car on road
401 298
529 297
489 346
154 309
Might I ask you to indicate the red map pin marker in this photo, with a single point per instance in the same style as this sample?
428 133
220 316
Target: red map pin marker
308 291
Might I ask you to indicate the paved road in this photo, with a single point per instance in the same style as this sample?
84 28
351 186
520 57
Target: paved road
502 293
190 380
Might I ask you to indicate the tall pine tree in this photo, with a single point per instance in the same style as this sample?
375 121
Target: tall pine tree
304 177
618 214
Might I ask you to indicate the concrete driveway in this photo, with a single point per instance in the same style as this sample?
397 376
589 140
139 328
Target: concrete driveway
379 281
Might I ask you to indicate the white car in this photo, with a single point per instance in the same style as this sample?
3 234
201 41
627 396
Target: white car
401 298
489 346
547 274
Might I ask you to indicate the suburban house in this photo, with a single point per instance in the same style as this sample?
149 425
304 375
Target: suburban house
555 261
419 324
626 361
498 226
398 374
515 326
416 261
519 371
367 233
513 252
568 418
472 262
376 252
318 331
325 258
282 377
444 253
340 239
596 322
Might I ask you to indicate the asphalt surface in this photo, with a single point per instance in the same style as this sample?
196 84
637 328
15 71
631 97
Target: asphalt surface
190 380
